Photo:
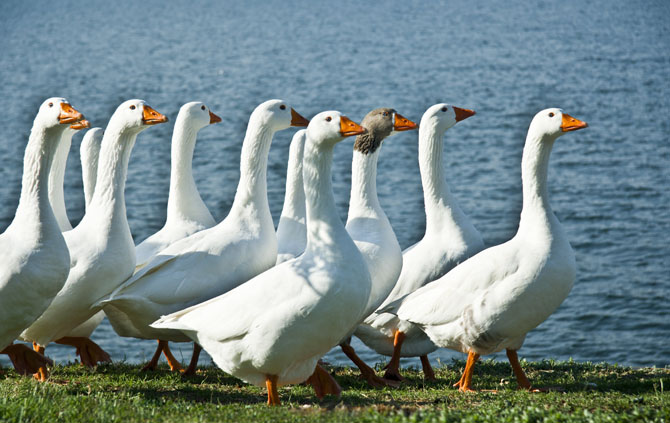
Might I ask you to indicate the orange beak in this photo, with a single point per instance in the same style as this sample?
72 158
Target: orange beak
571 124
401 123
80 125
69 114
152 117
349 127
213 118
297 119
462 114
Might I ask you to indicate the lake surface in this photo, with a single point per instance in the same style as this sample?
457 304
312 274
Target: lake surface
605 62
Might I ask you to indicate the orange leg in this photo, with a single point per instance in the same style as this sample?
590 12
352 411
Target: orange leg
323 383
521 378
25 360
465 384
88 351
428 372
41 374
393 368
153 363
174 364
194 360
271 384
367 372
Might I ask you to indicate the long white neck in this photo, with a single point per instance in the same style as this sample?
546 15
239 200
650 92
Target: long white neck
57 178
34 206
294 199
536 211
184 201
108 201
363 199
324 227
252 188
441 208
89 154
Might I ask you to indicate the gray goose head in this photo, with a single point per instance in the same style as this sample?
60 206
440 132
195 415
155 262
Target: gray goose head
380 123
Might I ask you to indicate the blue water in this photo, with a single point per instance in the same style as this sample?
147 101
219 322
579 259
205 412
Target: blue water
606 62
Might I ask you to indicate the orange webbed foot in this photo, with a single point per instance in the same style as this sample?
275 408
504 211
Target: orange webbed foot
27 361
323 383
393 374
379 382
91 354
465 383
367 373
88 351
393 368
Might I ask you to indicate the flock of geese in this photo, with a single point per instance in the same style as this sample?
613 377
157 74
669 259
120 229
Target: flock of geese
268 305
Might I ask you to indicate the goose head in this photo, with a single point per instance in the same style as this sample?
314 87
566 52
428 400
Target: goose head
135 116
197 115
443 116
56 111
331 127
552 123
379 124
277 115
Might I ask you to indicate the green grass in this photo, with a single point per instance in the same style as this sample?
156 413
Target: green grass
121 393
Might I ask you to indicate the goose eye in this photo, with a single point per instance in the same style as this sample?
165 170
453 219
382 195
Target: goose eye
551 114
444 109
132 107
328 119
283 107
51 104
203 107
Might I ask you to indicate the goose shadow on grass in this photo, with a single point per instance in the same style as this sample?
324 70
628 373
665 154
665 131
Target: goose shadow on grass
210 385
198 394
569 377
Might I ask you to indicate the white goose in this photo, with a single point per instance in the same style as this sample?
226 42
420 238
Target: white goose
186 212
34 259
215 260
367 223
273 329
491 301
89 152
57 200
102 253
291 230
449 239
